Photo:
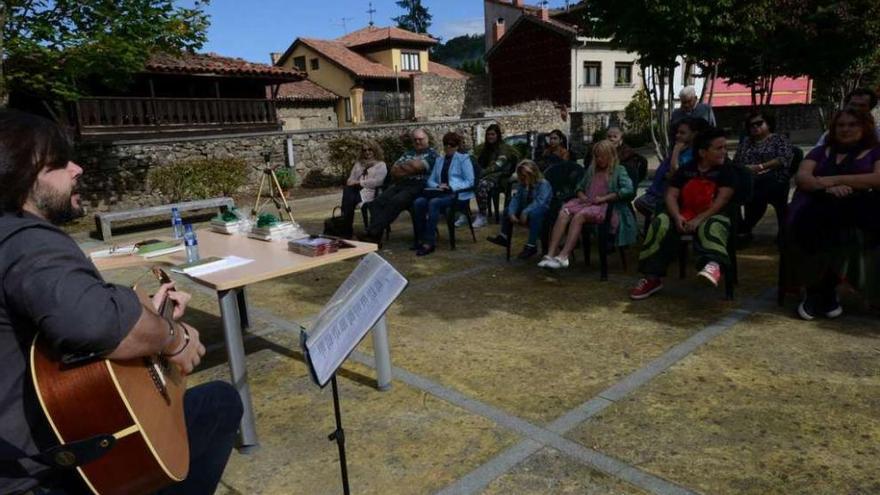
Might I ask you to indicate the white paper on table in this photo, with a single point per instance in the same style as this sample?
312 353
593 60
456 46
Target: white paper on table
214 266
118 251
355 307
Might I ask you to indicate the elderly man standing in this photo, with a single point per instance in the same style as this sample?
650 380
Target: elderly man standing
690 108
409 175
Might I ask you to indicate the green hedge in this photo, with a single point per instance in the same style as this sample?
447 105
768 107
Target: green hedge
199 179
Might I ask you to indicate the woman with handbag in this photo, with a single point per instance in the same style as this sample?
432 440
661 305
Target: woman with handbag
367 175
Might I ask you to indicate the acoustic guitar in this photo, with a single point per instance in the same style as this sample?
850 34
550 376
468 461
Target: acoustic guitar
139 402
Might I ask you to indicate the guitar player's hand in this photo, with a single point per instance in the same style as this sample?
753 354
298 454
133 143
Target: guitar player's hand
191 355
178 298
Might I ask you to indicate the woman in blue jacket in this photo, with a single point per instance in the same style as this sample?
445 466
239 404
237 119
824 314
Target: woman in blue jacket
451 173
527 207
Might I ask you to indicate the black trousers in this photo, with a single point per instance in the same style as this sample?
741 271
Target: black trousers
388 205
351 197
767 191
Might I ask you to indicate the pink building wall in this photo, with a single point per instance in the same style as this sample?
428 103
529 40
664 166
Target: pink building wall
785 91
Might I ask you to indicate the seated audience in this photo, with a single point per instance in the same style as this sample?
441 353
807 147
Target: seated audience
682 154
409 174
696 201
451 172
495 160
768 156
834 232
527 207
555 150
367 174
606 184
860 100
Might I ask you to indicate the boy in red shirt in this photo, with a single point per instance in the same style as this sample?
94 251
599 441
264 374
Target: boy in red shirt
696 201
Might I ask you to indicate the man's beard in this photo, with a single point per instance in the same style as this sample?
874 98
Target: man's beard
57 206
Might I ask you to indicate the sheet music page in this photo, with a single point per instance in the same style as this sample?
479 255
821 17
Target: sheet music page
357 304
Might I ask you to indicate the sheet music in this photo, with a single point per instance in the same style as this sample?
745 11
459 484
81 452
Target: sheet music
354 308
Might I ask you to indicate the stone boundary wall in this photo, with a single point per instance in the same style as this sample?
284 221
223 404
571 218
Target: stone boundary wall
116 173
436 97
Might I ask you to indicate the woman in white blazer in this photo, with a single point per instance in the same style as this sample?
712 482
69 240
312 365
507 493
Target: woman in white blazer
367 174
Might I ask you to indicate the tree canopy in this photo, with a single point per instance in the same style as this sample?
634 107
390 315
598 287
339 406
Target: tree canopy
416 17
54 48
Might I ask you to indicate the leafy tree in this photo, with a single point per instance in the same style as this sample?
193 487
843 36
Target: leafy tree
416 19
475 66
53 50
455 51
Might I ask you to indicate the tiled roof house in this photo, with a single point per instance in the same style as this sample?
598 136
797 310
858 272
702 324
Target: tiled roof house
369 70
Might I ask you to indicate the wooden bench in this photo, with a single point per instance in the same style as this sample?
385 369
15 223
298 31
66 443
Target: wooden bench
103 220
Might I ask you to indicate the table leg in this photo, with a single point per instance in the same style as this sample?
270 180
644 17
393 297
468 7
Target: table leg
229 305
382 354
243 309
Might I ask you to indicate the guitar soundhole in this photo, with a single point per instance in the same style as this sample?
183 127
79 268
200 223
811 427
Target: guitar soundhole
158 369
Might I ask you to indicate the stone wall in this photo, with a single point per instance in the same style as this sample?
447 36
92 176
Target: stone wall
116 173
437 98
307 115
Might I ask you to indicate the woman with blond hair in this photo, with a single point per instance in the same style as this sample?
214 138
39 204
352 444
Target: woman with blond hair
606 184
367 174
527 207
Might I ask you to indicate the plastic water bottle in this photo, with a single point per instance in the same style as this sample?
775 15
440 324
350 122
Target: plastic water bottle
192 244
176 223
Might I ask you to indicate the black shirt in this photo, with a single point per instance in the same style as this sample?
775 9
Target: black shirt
46 285
444 172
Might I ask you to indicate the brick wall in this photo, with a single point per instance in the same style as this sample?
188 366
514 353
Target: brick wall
307 116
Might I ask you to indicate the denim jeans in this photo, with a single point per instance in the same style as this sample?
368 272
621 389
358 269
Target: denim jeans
426 215
213 411
536 223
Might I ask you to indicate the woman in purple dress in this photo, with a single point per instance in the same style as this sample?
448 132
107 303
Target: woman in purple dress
834 217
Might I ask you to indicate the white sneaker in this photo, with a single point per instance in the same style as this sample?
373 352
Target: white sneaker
562 262
479 222
461 221
545 261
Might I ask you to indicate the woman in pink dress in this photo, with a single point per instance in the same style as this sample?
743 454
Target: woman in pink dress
605 183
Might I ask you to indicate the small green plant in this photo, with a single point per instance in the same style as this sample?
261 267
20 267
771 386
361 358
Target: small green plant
199 179
286 178
266 220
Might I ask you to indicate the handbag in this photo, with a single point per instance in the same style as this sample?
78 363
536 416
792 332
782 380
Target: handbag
336 226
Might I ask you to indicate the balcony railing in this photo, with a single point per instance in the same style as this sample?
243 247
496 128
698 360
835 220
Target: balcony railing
133 115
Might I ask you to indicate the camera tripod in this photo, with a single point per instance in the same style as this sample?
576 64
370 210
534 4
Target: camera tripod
275 193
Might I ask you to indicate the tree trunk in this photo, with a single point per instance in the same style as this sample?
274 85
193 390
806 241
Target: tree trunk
652 105
4 94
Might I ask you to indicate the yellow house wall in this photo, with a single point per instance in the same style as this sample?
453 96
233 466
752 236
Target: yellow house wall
391 58
333 78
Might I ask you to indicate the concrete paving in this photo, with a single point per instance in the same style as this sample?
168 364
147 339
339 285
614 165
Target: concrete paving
510 379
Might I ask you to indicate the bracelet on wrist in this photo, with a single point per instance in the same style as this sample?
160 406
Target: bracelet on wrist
185 343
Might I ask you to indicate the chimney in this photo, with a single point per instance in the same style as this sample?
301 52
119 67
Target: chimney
498 30
275 56
545 14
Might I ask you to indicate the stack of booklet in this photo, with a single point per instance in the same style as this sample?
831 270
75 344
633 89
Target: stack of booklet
277 231
148 249
224 227
313 246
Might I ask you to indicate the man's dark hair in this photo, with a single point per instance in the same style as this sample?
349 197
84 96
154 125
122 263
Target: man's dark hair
768 118
452 138
704 139
862 92
695 124
28 143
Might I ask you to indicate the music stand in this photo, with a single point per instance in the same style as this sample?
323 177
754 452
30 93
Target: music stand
276 194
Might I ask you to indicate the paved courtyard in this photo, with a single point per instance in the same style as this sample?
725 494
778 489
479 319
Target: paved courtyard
512 380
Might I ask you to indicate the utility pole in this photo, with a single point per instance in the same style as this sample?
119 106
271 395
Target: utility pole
371 11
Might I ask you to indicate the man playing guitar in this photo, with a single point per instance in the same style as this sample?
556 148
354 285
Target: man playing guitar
48 286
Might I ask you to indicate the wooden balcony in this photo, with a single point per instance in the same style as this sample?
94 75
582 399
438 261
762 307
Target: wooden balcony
133 117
